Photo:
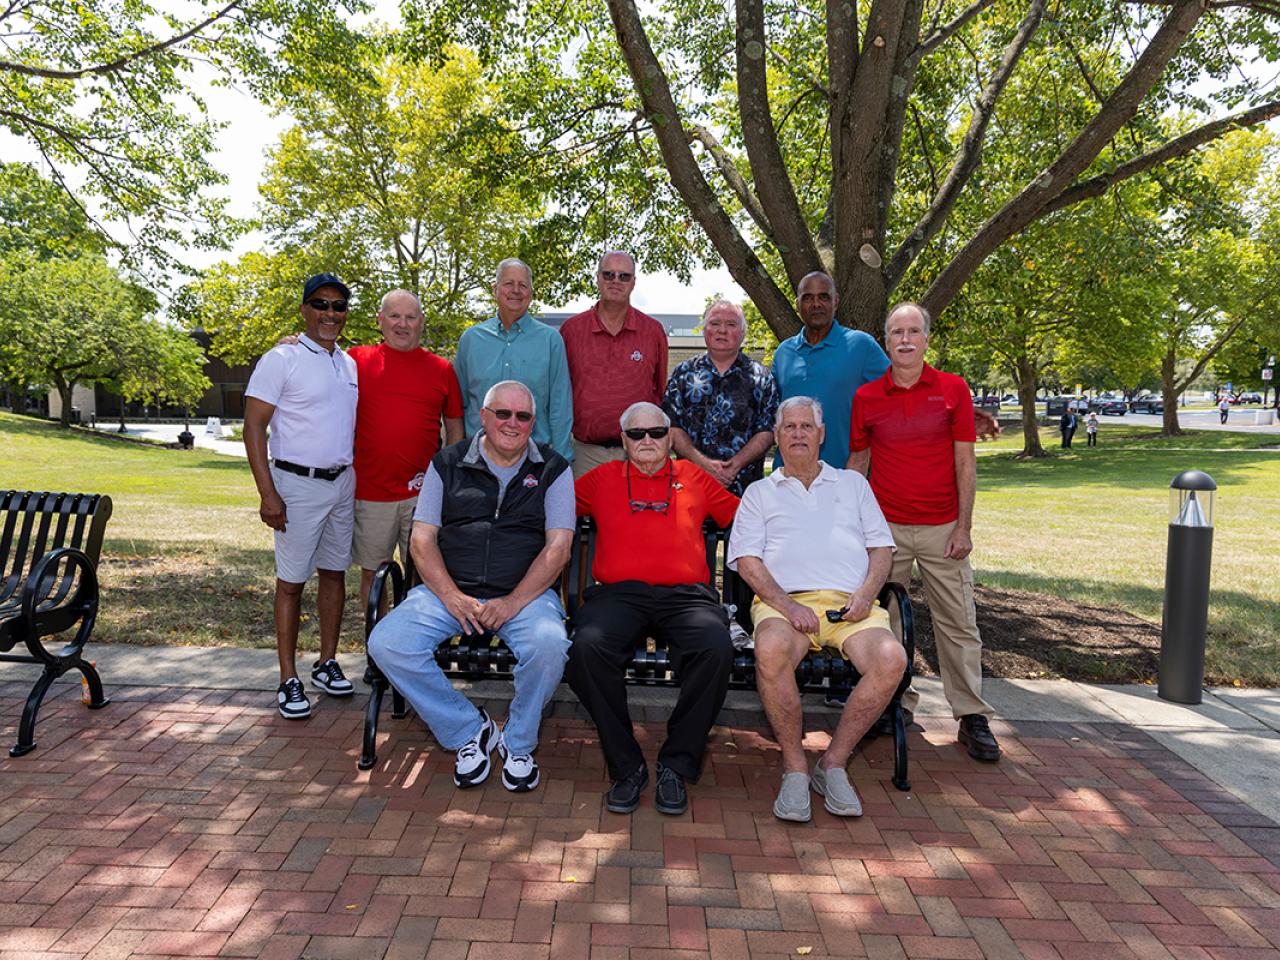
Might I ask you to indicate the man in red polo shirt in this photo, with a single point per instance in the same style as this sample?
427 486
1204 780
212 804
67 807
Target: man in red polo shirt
405 390
617 356
651 580
914 426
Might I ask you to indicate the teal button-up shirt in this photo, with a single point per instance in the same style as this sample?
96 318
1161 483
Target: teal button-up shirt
830 371
530 352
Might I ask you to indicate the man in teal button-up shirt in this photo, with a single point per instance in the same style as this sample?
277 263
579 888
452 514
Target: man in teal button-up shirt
515 346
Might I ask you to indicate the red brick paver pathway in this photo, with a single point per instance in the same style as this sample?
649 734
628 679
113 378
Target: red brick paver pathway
192 824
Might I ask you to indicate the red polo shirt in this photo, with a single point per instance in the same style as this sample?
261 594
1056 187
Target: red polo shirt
403 395
660 549
912 433
610 372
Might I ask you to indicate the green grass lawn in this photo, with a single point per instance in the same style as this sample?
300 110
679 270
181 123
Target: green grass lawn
186 559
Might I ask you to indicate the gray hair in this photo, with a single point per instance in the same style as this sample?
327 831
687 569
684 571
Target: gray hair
616 253
636 407
723 304
512 262
791 402
925 319
502 385
382 304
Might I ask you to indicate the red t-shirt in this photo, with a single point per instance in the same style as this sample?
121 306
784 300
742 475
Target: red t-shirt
912 433
661 549
402 397
609 373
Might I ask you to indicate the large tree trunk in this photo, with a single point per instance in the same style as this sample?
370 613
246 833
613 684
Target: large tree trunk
64 391
1169 390
1026 371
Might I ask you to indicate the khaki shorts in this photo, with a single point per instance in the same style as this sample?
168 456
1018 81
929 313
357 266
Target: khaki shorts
588 456
379 527
317 531
830 634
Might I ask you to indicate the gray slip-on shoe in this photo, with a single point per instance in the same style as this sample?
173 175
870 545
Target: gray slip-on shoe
834 786
793 798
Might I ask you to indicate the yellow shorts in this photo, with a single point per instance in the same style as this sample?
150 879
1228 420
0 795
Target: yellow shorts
829 634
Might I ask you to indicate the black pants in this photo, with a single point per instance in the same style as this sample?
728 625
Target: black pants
1093 439
1067 434
613 620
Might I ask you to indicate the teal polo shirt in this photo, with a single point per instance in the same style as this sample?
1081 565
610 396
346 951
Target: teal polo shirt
830 371
530 352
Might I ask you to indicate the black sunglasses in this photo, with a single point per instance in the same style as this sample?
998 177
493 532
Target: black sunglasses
524 416
657 506
639 433
622 275
324 306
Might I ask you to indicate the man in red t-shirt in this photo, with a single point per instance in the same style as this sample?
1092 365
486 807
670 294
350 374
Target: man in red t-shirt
405 390
651 580
617 356
915 427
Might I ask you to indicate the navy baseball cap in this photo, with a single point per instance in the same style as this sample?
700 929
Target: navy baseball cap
324 280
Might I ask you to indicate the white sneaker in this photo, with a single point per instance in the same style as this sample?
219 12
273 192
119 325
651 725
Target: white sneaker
328 676
834 786
471 768
291 700
519 771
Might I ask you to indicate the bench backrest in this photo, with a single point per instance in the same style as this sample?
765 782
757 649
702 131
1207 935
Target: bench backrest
32 524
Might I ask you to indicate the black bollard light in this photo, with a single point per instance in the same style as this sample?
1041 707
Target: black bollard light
1186 587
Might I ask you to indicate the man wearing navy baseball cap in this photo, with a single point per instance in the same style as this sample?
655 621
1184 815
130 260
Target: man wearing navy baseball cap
306 392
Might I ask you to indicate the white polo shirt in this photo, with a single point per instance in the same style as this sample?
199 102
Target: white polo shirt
810 539
314 393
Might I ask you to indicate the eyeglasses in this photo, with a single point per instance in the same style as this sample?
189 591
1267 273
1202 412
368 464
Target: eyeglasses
639 433
623 275
524 416
324 306
657 506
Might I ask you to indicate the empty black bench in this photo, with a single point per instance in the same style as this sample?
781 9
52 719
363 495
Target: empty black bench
49 548
485 657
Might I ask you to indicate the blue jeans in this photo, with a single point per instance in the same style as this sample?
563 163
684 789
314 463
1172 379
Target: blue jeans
404 643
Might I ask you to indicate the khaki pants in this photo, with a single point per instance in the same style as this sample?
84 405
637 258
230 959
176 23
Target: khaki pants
588 456
948 587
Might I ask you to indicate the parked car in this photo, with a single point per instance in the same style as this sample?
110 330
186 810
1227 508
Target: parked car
1248 398
1112 408
1149 404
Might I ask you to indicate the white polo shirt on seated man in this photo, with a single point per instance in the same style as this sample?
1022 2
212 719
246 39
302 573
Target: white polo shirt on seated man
810 540
306 393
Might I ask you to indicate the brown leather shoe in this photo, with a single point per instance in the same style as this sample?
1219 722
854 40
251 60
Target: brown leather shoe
975 733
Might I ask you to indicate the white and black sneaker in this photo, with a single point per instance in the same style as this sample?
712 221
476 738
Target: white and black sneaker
326 675
471 768
291 700
519 770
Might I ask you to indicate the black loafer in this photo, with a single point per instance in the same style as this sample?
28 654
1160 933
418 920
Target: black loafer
975 733
624 795
669 796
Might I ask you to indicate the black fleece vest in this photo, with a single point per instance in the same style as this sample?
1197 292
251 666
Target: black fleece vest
488 547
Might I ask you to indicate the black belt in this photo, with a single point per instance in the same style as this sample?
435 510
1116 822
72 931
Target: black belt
320 473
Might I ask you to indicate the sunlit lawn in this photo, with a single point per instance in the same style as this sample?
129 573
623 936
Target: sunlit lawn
187 561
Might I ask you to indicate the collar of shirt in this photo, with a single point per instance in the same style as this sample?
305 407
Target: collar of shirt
472 456
315 347
632 470
802 342
494 325
741 363
928 377
826 475
597 325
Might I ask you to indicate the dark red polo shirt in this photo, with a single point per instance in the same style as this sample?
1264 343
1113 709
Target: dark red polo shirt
611 372
912 432
661 549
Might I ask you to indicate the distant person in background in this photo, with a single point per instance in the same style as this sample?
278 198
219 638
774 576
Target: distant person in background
1223 407
1067 425
1091 429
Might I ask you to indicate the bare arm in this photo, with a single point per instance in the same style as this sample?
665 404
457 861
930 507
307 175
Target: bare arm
257 414
542 573
430 563
758 577
756 448
452 430
859 460
879 562
960 545
986 426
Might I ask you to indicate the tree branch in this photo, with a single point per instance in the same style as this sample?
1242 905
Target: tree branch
729 170
1030 202
659 107
970 153
944 32
1179 146
121 62
769 173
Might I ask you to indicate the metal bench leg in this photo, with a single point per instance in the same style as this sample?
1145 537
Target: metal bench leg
97 697
399 709
899 748
27 725
369 752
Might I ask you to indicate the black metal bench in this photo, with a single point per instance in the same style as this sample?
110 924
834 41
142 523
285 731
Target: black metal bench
485 657
49 548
